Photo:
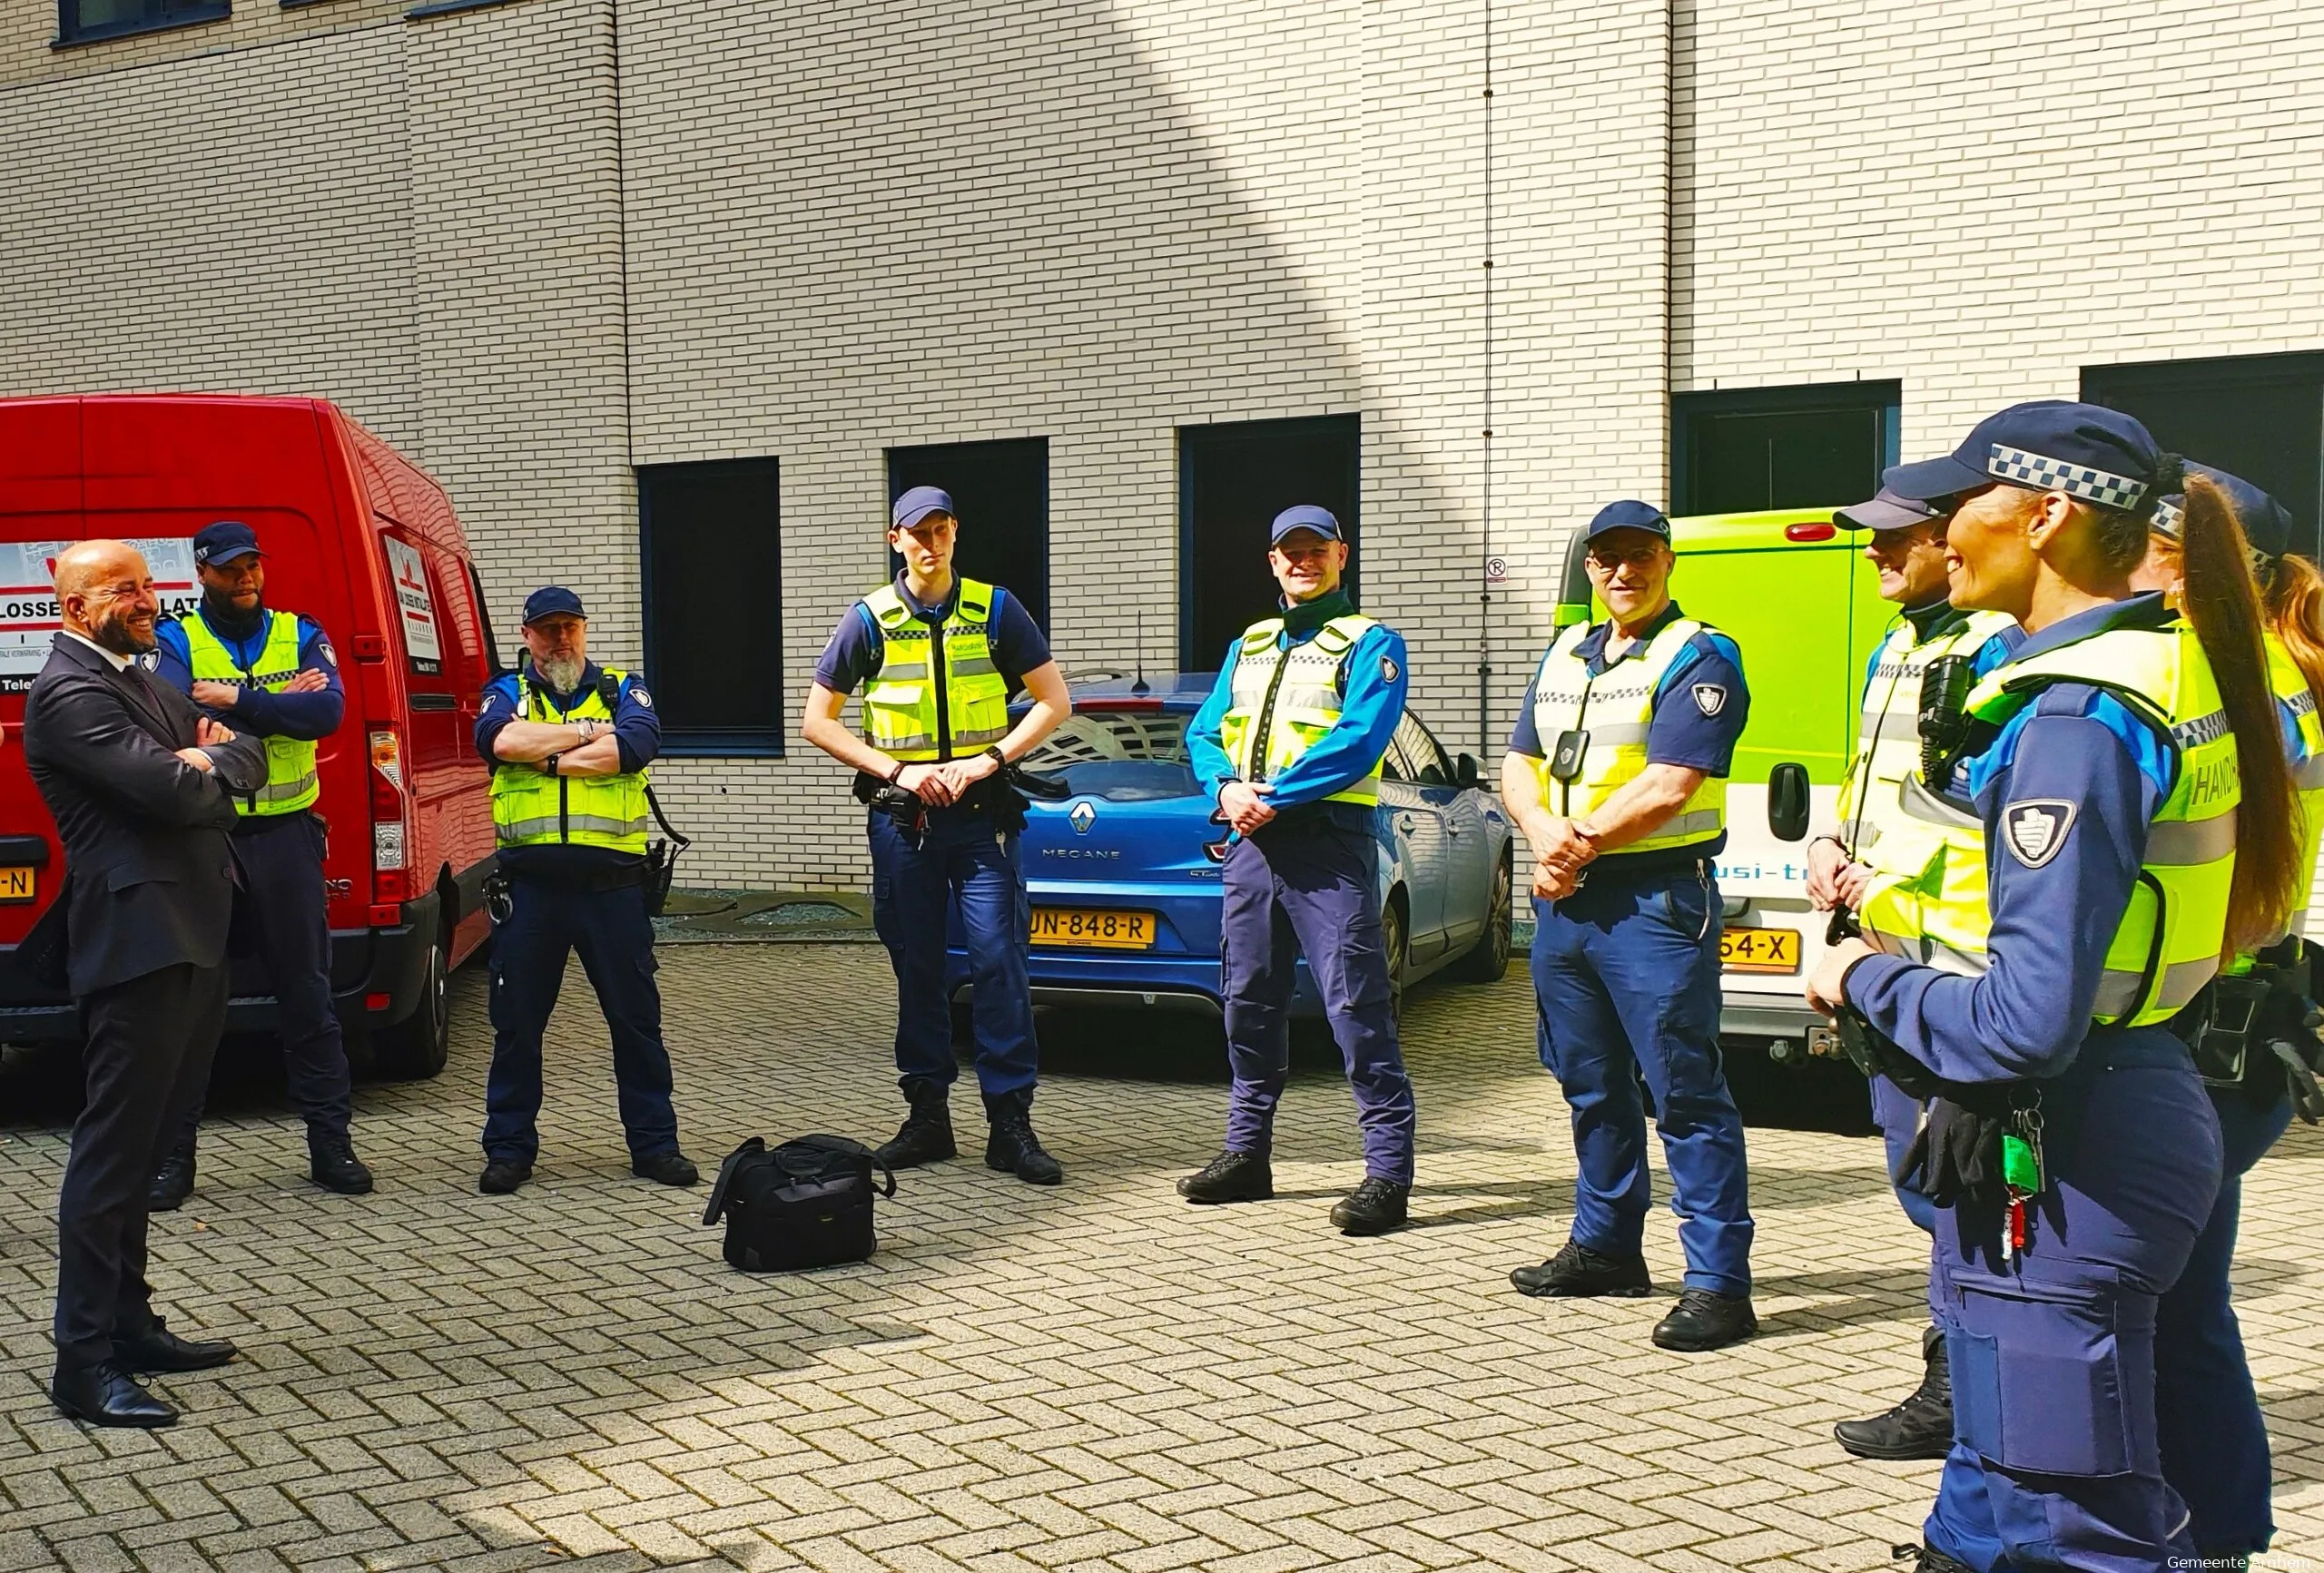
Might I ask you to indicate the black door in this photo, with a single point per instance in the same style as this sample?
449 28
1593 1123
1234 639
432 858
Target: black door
2260 417
1001 490
1233 479
1780 447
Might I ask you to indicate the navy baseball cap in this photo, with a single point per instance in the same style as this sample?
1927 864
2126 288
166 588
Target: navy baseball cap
2267 523
2087 451
917 505
1304 517
1629 515
223 542
548 601
1887 511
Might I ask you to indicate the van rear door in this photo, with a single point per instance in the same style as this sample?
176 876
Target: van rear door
40 511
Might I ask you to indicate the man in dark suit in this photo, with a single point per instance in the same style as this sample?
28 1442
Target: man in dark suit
138 781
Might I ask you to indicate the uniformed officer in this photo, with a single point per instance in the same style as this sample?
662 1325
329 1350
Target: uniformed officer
272 674
569 742
2128 773
1616 772
1883 860
942 653
2213 1439
1289 746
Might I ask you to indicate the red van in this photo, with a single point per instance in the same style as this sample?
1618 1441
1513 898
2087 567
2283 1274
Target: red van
361 540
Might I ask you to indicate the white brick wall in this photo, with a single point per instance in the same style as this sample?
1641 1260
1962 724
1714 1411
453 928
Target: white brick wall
536 248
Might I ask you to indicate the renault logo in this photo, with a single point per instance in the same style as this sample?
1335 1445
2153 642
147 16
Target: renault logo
1084 815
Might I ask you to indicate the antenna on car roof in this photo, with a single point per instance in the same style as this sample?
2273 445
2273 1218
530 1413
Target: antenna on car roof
1141 685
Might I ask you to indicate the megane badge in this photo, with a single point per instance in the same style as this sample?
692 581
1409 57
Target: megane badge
1084 815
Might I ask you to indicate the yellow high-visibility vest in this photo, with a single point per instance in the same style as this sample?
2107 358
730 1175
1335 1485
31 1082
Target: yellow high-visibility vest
915 712
1617 709
533 809
292 784
1283 701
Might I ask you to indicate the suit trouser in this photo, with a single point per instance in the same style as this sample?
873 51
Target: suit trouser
1306 885
150 1044
281 857
2055 1462
547 921
2214 1440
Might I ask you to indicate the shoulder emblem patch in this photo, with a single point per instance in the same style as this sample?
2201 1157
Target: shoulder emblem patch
150 661
637 692
323 649
1387 669
1710 698
2035 829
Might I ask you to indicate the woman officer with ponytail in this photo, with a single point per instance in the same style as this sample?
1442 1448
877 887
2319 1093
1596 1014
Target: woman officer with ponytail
2214 1440
2125 768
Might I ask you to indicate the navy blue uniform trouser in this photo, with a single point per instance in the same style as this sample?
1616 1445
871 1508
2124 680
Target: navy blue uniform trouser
149 1045
1307 884
282 898
2055 1461
1899 1115
548 919
1626 972
964 858
2214 1440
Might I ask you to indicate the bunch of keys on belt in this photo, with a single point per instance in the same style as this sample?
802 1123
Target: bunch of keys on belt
2020 1171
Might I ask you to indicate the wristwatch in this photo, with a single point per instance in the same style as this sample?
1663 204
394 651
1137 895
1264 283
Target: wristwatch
548 765
998 758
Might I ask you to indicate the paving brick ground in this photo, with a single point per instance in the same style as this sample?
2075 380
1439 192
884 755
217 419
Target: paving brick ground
1094 1377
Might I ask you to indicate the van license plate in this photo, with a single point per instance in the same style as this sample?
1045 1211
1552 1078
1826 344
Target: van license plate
1759 949
1100 931
15 885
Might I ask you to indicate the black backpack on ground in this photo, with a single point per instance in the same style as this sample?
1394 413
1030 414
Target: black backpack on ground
805 1203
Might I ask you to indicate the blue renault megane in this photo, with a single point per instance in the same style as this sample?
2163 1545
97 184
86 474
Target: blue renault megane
1124 870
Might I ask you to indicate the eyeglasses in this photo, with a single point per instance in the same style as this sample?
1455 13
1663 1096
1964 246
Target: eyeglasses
1636 558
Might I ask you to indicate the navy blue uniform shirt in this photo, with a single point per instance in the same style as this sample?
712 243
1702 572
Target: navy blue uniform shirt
1700 707
857 648
637 739
2067 790
307 717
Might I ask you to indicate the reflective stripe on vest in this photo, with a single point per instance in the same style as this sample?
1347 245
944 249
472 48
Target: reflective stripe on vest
1283 702
533 809
1616 709
2168 944
290 781
913 717
1915 862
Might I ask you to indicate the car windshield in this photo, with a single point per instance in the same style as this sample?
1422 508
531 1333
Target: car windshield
1119 755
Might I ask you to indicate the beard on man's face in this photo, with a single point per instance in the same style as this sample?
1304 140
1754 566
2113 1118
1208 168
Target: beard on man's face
125 630
561 673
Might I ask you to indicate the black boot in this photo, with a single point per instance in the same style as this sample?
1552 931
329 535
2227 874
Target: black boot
174 1182
926 1135
1374 1207
1928 1559
1919 1428
1013 1149
1704 1319
1577 1272
1231 1176
331 1164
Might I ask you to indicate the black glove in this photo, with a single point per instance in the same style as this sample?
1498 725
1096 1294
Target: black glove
1957 1155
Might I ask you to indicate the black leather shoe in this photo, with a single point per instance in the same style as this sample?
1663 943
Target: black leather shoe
106 1395
1231 1176
670 1168
1928 1559
163 1351
1703 1321
1374 1207
926 1135
1577 1272
1012 1147
1919 1428
503 1175
173 1183
331 1164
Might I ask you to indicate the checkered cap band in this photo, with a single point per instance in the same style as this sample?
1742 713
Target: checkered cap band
2170 519
2048 474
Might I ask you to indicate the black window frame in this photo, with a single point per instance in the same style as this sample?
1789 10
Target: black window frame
1196 653
173 15
2117 386
897 463
679 740
1884 398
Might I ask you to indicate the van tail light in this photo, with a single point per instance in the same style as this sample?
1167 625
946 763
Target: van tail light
390 818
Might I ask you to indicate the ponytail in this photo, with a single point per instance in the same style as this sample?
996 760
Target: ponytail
2222 605
2296 616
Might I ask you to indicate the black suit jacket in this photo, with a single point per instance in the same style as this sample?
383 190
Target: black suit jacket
149 865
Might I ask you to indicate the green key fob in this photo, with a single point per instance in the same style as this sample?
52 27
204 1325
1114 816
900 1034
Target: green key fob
2020 1169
